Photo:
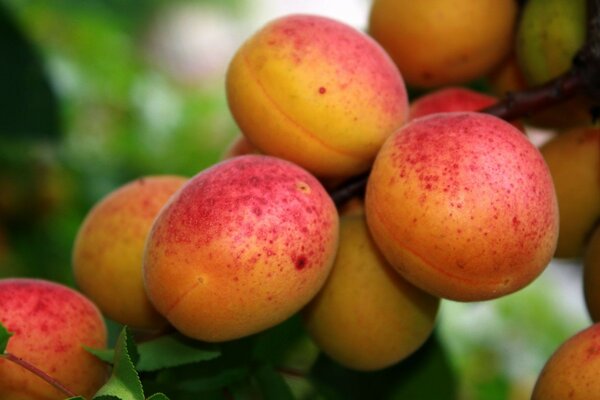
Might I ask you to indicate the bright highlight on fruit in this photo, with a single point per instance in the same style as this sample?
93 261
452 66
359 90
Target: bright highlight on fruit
463 206
317 92
240 248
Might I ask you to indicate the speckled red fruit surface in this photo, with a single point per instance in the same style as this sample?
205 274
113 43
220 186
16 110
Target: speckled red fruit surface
241 247
463 206
51 323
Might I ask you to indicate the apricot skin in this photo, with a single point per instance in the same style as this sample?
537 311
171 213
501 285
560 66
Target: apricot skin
450 99
437 42
109 248
317 92
574 161
572 371
241 247
463 206
387 322
51 323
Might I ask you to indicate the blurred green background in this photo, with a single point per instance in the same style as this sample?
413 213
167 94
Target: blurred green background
96 93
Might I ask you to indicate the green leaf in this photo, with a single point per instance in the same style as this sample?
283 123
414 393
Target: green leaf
124 382
106 355
272 384
4 337
76 398
207 381
174 350
167 351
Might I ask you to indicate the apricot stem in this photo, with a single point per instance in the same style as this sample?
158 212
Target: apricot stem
353 187
35 370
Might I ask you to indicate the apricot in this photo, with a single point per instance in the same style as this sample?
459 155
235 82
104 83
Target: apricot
463 206
450 99
591 276
238 147
109 247
317 92
240 248
453 99
436 43
387 322
572 371
574 161
50 324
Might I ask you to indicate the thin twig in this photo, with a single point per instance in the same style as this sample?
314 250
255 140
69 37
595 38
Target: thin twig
35 370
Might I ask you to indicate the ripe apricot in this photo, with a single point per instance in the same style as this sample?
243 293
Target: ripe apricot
240 248
109 247
572 371
50 324
463 206
387 322
317 92
574 161
440 42
450 99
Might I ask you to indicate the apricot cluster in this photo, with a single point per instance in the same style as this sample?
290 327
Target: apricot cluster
459 204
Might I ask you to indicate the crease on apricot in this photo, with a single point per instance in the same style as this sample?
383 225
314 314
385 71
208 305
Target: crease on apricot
295 123
429 264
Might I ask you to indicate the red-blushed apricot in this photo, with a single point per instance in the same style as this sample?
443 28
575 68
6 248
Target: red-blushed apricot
317 92
109 247
450 99
573 157
453 99
571 373
240 248
591 276
463 206
367 317
439 42
50 324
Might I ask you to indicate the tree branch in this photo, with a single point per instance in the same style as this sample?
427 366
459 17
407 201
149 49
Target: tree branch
38 372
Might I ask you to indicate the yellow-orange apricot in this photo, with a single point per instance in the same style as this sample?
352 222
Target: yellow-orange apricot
440 42
571 373
317 92
574 161
108 249
367 317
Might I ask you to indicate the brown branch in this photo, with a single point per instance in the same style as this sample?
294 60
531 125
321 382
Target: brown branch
353 187
41 374
526 102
